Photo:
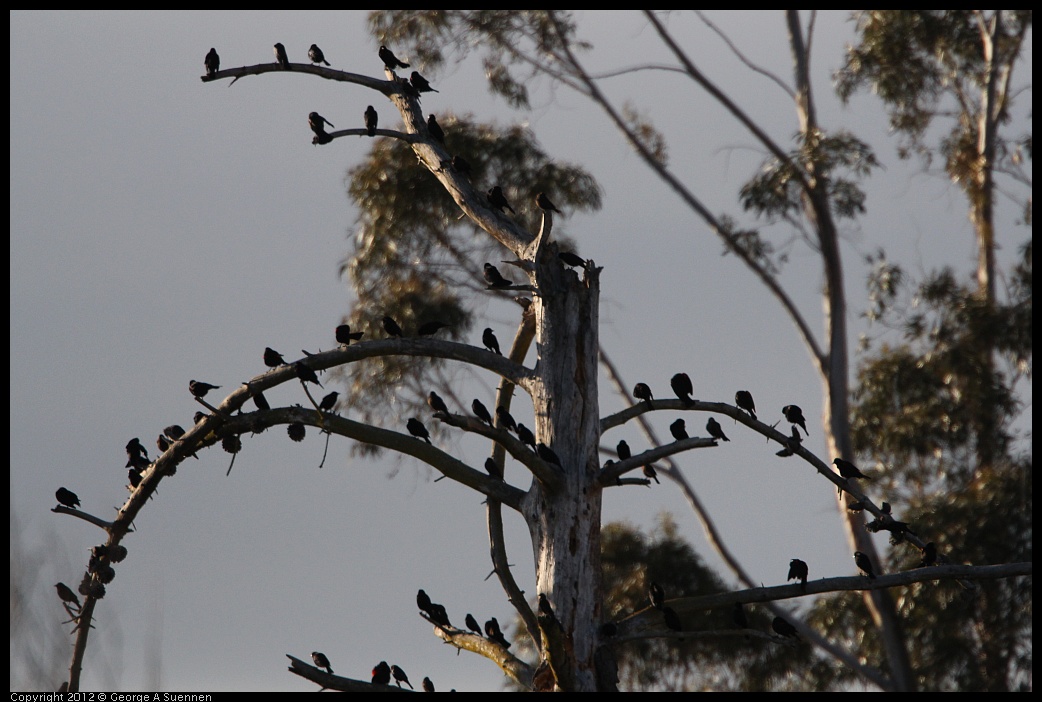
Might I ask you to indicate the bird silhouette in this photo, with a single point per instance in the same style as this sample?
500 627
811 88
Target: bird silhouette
428 686
430 328
678 430
272 358
795 415
744 400
416 428
544 203
199 388
798 571
392 328
317 656
494 278
642 391
261 401
66 594
472 624
162 443
498 200
494 633
67 497
481 412
390 60
657 595
461 165
345 336
546 609
280 56
506 420
548 454
420 83
329 401
436 403
371 120
434 129
715 430
137 455
651 474
174 432
525 435
400 676
488 338
929 553
681 384
864 564
382 673
318 123
212 62
848 469
783 628
316 55
305 373
623 450
572 259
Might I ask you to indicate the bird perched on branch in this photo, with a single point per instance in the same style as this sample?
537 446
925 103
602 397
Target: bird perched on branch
137 455
681 384
345 336
498 200
318 123
623 450
280 56
572 259
481 412
657 595
329 401
494 633
390 60
67 497
371 120
428 686
783 628
420 83
435 129
651 474
430 328
472 624
864 564
525 435
317 656
548 454
715 430
795 415
642 391
199 388
545 609
272 358
506 420
678 430
212 62
849 470
316 55
436 403
392 328
743 399
67 595
461 165
416 428
382 673
798 571
400 677
494 278
544 203
305 373
488 338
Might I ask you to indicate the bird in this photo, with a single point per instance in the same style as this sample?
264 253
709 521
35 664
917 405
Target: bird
382 673
494 278
525 435
864 564
392 328
436 403
200 416
498 200
67 595
493 632
162 443
329 401
134 477
472 624
420 83
390 60
345 336
642 391
137 455
657 595
67 497
506 420
318 123
744 400
798 571
428 686
681 384
400 677
623 450
317 656
280 56
678 430
305 373
848 469
738 616
423 601
672 619
488 338
435 129
783 628
272 358
548 454
715 430
481 411
651 474
545 609
795 415
212 62
929 552
572 259
199 388
316 55
261 401
371 120
430 328
544 203
174 432
461 165
416 428
439 615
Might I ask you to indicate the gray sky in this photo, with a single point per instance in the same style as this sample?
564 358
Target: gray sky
163 229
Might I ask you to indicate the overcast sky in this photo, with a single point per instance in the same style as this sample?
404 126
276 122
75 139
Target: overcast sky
164 229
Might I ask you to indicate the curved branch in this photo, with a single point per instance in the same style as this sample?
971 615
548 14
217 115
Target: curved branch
614 470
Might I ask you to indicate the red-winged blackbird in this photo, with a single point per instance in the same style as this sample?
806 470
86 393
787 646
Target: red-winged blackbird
199 388
738 616
493 632
420 83
571 259
929 555
434 129
681 384
848 469
498 200
461 165
864 564
320 658
672 619
798 571
212 62
547 454
392 328
67 595
371 120
678 430
280 56
67 497
436 403
544 203
272 358
783 627
744 400
430 328
345 336
428 686
329 401
715 430
657 595
390 60
494 278
400 676
525 435
623 450
481 412
316 55
472 624
416 428
642 391
650 474
795 415
488 338
382 673
506 420
305 373
318 123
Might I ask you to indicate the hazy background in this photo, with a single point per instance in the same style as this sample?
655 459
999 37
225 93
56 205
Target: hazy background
164 229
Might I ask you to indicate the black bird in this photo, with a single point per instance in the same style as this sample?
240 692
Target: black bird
162 443
306 374
134 476
420 83
400 677
884 507
316 55
672 619
795 415
798 571
174 432
371 120
481 411
678 430
382 673
67 497
929 555
642 391
66 594
525 435
506 420
744 400
212 62
345 336
650 474
430 328
783 627
493 632
200 416
461 165
547 454
571 259
199 388
472 624
390 60
280 56
261 401
137 455
715 430
544 203
848 469
738 616
317 656
318 123
439 614
272 358
494 278
545 609
498 200
416 428
681 384
392 328
329 401
864 564
423 601
435 129
623 449
657 595
436 403
489 340
428 686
